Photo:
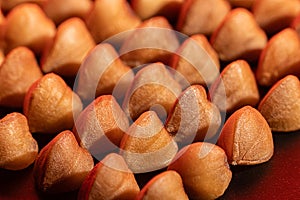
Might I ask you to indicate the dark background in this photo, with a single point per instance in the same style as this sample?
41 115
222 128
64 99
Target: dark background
278 178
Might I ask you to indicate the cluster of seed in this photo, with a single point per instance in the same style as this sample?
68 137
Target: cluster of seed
220 53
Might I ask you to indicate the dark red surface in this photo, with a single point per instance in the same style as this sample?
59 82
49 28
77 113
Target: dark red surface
277 179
